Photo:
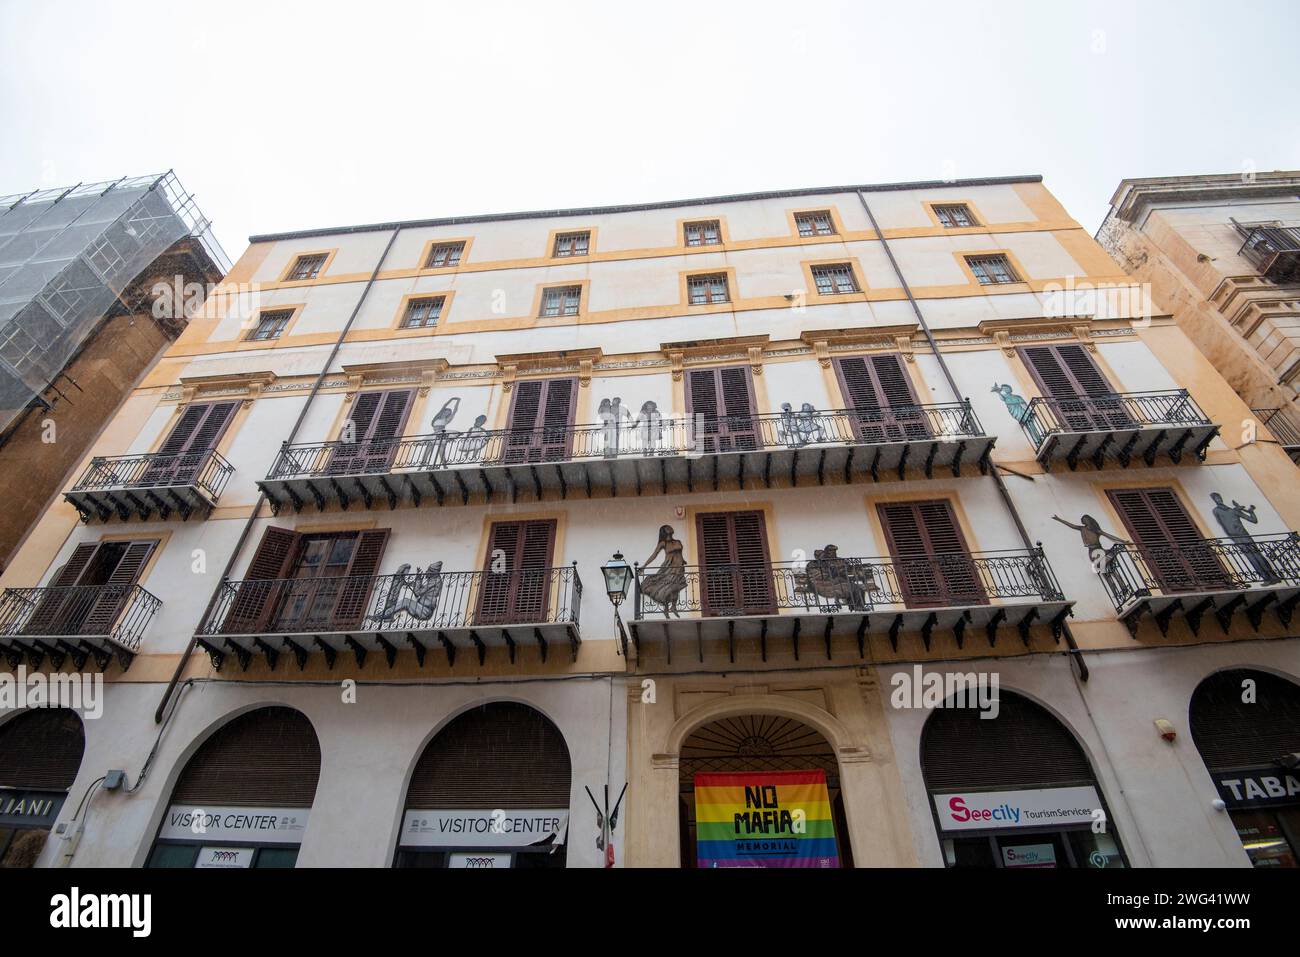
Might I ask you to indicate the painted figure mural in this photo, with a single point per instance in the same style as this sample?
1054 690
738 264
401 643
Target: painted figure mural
841 580
649 424
415 595
665 586
1103 559
1232 519
802 427
1018 409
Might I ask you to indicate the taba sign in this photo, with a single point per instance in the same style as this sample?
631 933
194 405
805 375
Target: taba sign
485 828
261 825
764 819
1044 807
30 808
224 858
1258 787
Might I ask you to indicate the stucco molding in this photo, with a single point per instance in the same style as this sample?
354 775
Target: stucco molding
839 737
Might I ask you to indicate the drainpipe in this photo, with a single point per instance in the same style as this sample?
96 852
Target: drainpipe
261 498
1076 654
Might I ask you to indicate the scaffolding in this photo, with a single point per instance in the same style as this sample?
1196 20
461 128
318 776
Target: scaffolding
67 256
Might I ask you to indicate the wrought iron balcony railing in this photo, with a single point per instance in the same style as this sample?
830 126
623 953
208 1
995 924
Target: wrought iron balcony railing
126 485
74 614
1119 425
1219 574
1283 424
1274 250
644 455
947 590
329 615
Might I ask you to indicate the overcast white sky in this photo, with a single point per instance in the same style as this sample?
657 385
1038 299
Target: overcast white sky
287 115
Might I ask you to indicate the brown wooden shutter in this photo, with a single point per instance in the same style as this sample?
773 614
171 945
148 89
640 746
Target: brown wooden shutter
262 587
880 391
48 609
41 749
265 758
931 558
197 432
1232 734
520 593
1066 372
103 612
499 755
723 401
354 594
1175 550
734 564
386 427
540 420
348 458
1024 747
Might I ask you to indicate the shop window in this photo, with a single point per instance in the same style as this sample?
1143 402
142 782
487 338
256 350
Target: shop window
40 755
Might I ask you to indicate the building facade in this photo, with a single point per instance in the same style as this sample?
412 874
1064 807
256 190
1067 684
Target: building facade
1221 254
342 558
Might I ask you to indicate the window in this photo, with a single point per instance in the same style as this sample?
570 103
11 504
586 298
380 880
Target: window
835 279
707 289
306 267
933 564
561 300
705 233
817 223
954 216
735 567
572 244
992 270
444 255
270 324
423 313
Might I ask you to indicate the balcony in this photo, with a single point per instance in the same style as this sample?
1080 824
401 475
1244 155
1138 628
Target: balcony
693 454
142 485
76 621
964 594
1121 426
1282 423
1218 575
456 611
1273 250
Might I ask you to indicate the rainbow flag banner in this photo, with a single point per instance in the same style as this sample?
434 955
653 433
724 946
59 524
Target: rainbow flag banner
764 819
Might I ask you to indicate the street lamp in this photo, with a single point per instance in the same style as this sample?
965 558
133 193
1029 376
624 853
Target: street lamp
618 575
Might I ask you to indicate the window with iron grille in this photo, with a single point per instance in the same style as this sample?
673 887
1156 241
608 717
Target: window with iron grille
992 270
954 215
423 313
270 324
706 289
444 255
817 223
561 300
307 267
704 233
835 279
572 244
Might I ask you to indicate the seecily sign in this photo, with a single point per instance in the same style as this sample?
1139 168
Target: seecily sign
1044 807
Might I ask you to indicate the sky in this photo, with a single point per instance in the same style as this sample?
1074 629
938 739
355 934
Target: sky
283 115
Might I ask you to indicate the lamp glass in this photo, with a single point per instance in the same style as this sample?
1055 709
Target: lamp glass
618 575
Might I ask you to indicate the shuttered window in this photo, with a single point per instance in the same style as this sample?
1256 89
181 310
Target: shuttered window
1174 549
515 584
1232 734
105 573
265 758
931 558
720 404
183 452
1066 372
499 755
541 420
734 564
258 593
41 749
1024 747
880 393
377 421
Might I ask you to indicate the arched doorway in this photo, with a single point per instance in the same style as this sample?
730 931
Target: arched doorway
244 797
490 790
739 775
40 754
1015 790
1246 725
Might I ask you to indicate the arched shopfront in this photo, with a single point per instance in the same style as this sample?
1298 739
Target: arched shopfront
40 754
761 790
1015 790
1246 725
244 797
490 790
